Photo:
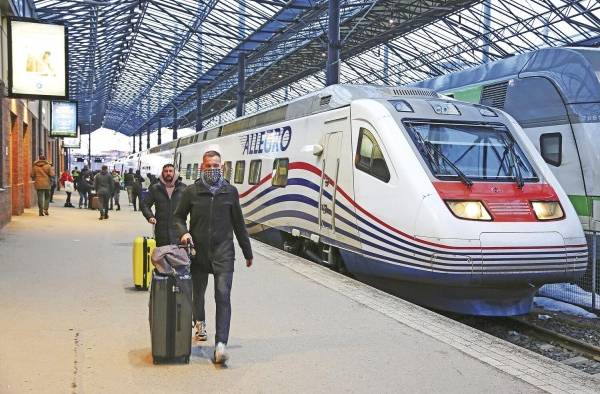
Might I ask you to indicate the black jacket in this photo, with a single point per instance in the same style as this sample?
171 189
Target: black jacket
128 179
165 232
104 183
136 186
213 220
83 183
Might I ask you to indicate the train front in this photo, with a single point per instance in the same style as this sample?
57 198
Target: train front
492 220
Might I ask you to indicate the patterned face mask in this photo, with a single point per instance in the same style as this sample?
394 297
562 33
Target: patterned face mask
212 175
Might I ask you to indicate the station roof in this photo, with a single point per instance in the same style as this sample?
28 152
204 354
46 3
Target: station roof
135 61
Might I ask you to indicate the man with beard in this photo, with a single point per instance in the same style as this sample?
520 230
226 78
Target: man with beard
164 196
215 214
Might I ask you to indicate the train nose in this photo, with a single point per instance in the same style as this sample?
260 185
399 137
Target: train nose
520 258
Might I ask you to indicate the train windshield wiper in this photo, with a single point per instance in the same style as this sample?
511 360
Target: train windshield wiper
515 161
432 151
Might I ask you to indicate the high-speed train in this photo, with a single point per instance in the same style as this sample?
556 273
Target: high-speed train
554 94
445 203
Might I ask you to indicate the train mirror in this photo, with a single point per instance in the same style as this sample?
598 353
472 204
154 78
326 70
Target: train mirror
317 150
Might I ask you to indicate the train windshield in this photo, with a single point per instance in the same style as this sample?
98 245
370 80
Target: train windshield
593 56
471 152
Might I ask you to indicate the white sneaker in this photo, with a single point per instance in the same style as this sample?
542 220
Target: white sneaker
221 355
201 331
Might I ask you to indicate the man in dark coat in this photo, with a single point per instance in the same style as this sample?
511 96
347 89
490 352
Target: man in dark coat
164 196
215 214
128 181
104 186
136 190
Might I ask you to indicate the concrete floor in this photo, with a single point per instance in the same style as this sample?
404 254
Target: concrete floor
70 322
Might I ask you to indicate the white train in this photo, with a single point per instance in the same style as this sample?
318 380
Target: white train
446 203
554 94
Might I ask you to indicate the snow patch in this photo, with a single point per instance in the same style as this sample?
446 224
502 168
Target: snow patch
558 306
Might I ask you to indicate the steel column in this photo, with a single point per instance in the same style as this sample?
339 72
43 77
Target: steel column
140 140
175 123
198 107
133 143
159 131
487 23
90 150
333 44
148 137
594 269
386 65
239 111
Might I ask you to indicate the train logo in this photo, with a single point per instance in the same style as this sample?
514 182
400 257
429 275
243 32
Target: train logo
267 141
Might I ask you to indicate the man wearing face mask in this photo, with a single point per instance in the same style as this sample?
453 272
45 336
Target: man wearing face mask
164 196
215 214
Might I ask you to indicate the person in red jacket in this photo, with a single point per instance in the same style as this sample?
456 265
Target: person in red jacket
66 177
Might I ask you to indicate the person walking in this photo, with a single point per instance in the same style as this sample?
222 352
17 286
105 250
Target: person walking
116 191
104 186
75 174
215 214
164 196
66 181
136 190
128 181
41 175
84 186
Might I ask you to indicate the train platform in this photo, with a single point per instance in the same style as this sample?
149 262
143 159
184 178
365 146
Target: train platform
71 322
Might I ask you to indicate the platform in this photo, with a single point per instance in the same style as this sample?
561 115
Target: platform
70 322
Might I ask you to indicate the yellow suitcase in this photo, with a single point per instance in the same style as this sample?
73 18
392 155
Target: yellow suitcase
142 266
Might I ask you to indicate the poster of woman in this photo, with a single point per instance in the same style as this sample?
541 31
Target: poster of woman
37 59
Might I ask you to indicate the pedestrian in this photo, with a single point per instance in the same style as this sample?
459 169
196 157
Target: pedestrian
164 196
41 175
52 184
75 174
128 180
84 186
136 190
104 186
116 191
66 181
215 214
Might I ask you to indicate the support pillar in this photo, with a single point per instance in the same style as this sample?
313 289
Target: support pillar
487 23
159 131
133 145
175 120
198 107
386 65
90 150
148 137
239 110
333 44
140 140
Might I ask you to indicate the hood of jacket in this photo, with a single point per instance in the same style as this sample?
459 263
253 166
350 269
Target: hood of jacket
41 163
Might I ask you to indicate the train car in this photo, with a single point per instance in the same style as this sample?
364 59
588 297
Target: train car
554 94
445 203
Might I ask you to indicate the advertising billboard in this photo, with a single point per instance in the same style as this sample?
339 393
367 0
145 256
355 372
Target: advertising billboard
37 59
63 119
73 142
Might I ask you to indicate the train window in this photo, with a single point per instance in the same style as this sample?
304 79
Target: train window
188 171
227 171
254 174
535 102
195 171
280 172
551 148
240 171
369 157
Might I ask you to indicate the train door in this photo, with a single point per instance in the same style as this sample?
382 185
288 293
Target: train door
329 178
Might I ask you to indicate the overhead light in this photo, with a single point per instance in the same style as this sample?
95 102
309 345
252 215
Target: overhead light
280 76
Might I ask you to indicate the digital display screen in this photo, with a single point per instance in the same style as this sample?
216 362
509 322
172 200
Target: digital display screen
63 119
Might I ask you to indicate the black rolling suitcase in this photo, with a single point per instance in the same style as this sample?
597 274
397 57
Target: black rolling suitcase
171 317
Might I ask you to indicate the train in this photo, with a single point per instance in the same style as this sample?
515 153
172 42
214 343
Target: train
554 94
445 203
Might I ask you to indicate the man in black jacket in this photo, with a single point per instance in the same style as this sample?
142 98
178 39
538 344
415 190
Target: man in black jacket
136 190
164 196
104 185
215 214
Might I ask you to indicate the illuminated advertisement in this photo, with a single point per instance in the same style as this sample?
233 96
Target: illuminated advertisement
37 59
63 119
73 142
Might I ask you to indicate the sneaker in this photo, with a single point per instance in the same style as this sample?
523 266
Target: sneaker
46 212
221 355
201 331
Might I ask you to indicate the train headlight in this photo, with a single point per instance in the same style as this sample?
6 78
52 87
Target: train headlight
471 210
547 210
401 106
443 108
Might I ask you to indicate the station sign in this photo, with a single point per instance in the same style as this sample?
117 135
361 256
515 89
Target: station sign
37 59
74 142
63 119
